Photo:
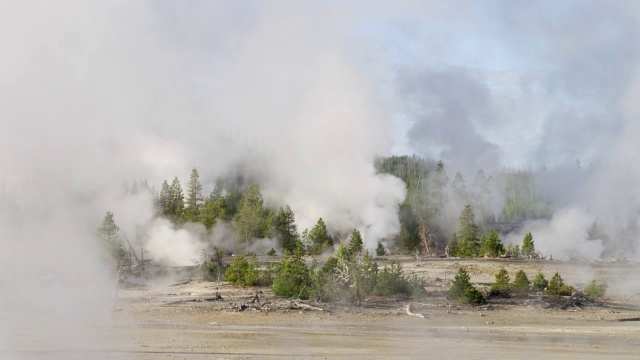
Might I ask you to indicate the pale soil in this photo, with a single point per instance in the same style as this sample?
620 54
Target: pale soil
162 322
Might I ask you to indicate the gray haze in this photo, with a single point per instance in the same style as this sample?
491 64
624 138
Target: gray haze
92 93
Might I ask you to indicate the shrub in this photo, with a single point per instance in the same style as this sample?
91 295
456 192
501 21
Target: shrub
557 286
245 272
368 274
595 291
462 289
391 281
501 286
272 252
539 282
521 283
292 277
380 249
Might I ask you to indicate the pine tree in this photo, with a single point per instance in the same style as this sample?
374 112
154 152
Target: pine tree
286 229
249 218
557 286
213 209
176 200
539 282
454 246
493 245
468 232
462 289
163 204
355 242
194 198
319 238
501 286
521 283
380 249
528 247
108 230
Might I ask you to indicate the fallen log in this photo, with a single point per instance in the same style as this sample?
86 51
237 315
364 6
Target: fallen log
299 306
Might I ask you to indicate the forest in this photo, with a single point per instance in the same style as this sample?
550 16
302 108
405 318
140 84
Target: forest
440 217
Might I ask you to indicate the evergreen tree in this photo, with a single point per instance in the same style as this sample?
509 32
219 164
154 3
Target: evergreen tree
163 204
468 232
454 246
286 229
292 277
194 198
108 230
521 283
249 219
380 249
462 289
493 245
355 242
213 208
319 238
539 282
176 200
528 247
501 286
557 286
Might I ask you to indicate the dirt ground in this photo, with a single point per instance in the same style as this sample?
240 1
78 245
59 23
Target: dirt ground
179 321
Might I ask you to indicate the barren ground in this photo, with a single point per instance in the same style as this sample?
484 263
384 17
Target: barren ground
169 321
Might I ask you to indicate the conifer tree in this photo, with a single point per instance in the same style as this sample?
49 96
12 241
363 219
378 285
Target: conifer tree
319 238
468 232
355 242
493 245
286 229
528 247
108 230
539 282
194 198
213 208
176 200
501 286
249 218
521 283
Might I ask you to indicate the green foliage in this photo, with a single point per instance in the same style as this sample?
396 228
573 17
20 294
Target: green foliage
539 282
462 289
528 247
557 286
243 272
367 273
521 283
501 287
380 249
595 291
522 197
319 239
355 242
391 281
176 201
454 247
493 246
212 268
108 230
292 277
249 220
272 252
468 233
286 229
194 198
213 208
